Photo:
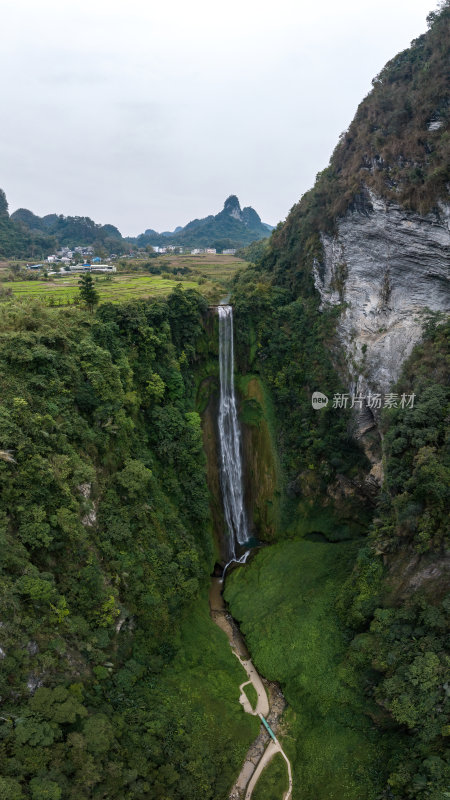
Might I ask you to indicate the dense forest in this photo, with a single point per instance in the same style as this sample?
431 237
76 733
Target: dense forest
72 231
106 549
115 683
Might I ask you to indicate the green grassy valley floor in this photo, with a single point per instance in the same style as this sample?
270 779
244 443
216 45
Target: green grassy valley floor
273 781
201 688
252 695
284 601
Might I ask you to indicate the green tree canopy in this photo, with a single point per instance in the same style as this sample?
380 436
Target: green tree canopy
88 292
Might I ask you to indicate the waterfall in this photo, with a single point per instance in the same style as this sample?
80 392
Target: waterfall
229 438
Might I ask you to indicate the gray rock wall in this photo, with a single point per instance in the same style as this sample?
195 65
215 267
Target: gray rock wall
388 266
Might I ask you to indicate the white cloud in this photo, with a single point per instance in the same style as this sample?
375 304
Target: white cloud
146 114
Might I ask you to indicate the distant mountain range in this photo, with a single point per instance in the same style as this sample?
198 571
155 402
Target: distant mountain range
232 227
23 234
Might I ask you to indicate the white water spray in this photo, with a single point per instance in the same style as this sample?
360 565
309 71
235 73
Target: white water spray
230 443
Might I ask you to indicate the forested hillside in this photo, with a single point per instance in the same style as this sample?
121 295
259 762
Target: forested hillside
71 231
25 235
16 240
106 552
382 612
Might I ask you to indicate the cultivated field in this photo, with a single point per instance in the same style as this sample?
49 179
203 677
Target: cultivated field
210 275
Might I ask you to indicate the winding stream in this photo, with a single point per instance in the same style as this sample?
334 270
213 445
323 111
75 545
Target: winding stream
270 702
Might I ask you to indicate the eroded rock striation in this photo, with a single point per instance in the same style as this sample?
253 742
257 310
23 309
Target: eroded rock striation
389 267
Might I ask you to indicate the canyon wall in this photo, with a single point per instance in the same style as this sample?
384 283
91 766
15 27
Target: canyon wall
388 266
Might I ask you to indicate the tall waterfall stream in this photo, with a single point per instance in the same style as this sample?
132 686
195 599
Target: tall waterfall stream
270 702
231 479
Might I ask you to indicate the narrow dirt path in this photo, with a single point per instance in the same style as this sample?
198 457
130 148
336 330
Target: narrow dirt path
260 753
271 750
262 705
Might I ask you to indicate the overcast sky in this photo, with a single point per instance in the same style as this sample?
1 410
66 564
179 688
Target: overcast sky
149 114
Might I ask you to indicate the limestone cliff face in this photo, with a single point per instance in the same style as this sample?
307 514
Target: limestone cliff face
388 266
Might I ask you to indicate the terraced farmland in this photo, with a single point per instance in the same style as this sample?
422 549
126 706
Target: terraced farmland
211 275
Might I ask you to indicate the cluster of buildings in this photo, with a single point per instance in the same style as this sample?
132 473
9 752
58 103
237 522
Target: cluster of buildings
69 260
65 255
195 252
212 251
93 265
169 249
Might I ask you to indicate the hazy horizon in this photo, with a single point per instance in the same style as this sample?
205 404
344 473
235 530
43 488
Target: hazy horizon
147 117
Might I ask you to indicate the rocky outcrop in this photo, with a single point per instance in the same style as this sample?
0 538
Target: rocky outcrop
387 266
